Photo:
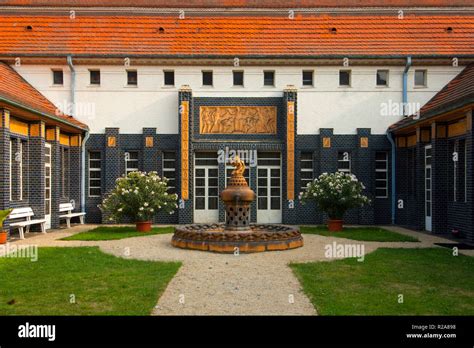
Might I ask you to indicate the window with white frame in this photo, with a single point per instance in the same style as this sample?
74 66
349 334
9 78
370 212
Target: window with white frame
381 174
306 169
16 169
131 161
344 161
95 176
169 170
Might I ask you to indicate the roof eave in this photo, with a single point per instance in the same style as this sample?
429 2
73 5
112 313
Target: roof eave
41 113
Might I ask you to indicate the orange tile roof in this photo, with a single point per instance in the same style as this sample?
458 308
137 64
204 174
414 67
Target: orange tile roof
15 89
459 92
306 35
236 3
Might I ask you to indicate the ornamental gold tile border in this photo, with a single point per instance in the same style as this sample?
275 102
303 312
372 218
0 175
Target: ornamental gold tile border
185 149
290 152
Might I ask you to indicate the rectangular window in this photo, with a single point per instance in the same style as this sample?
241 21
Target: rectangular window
269 78
420 78
169 170
306 169
64 172
94 77
344 78
344 161
460 171
16 170
58 78
381 174
382 78
131 161
308 77
132 78
95 176
238 77
169 78
207 78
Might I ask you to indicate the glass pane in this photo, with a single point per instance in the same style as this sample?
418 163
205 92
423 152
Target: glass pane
94 155
275 173
275 191
213 192
95 183
275 182
262 182
428 209
200 191
380 175
275 203
212 182
200 203
344 78
262 203
381 192
200 173
213 173
213 202
262 191
94 174
200 182
47 207
94 192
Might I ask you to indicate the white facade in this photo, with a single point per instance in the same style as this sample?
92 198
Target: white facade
151 104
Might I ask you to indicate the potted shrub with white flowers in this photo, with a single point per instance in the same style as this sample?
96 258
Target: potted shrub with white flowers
335 193
139 196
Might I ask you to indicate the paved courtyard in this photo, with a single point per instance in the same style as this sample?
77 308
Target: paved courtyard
223 284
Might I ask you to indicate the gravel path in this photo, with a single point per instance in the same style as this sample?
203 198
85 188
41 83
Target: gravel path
226 284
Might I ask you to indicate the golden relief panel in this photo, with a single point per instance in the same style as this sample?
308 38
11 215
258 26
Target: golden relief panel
238 119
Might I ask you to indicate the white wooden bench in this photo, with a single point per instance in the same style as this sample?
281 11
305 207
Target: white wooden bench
24 226
69 208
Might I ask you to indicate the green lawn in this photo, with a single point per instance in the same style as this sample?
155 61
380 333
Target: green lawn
369 234
432 282
102 284
108 233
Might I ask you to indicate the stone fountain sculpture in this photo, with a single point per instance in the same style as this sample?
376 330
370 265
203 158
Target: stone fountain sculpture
237 234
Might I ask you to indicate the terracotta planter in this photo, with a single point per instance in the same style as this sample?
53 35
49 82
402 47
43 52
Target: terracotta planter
143 226
3 237
335 225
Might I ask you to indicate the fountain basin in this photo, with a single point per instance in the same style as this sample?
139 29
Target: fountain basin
217 238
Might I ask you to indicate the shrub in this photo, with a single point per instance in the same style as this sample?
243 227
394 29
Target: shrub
335 193
139 196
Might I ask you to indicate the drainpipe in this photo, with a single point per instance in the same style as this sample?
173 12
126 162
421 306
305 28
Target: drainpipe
405 88
86 136
392 141
394 176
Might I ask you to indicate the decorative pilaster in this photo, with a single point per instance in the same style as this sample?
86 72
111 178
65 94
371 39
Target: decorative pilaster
75 172
112 162
52 136
150 148
185 106
365 173
36 168
290 99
